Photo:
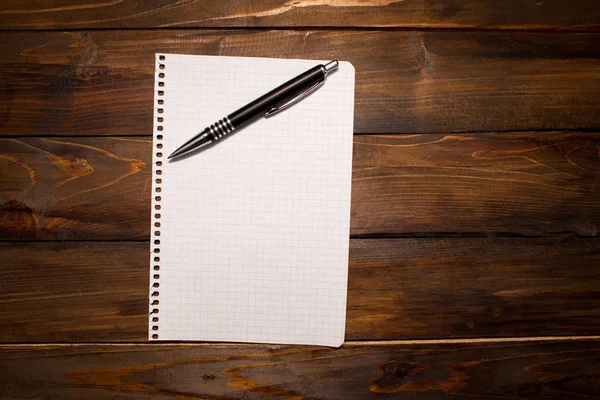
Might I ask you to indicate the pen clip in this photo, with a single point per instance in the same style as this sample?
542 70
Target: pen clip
291 102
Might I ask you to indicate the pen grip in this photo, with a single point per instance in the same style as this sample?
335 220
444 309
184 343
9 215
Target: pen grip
277 96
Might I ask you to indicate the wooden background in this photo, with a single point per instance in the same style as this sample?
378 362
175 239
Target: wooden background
474 251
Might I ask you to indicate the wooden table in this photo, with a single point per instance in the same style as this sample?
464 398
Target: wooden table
474 252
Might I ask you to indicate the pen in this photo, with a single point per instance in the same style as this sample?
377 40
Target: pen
268 104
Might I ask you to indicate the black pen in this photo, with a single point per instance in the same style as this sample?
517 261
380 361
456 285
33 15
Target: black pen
271 103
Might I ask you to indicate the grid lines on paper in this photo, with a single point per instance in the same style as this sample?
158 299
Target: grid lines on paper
255 230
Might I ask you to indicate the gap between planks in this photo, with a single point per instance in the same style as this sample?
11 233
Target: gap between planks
453 133
375 236
498 28
346 344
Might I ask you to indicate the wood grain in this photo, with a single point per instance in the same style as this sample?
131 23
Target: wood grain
467 287
101 82
518 183
75 189
519 14
529 184
74 292
534 370
398 288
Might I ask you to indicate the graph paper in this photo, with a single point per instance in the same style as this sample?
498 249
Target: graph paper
250 236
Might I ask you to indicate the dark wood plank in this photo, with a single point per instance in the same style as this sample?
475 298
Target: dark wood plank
101 82
74 189
522 370
496 287
519 14
518 183
398 288
74 292
522 183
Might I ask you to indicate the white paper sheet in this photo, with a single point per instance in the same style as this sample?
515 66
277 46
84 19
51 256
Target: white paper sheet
251 235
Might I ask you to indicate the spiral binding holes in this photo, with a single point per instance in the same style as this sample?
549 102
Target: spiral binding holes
155 273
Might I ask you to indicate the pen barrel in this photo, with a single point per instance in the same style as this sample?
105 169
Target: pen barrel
219 129
277 96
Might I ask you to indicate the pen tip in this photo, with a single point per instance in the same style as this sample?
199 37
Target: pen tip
171 156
